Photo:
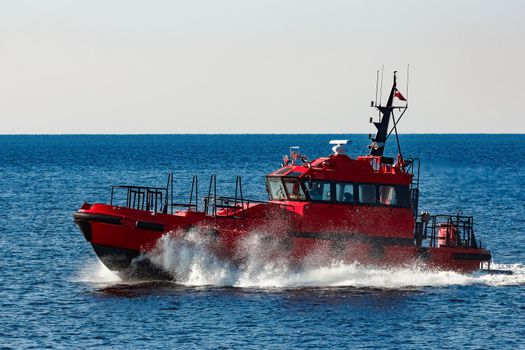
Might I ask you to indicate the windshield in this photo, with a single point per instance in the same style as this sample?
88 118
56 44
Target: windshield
294 189
276 189
319 190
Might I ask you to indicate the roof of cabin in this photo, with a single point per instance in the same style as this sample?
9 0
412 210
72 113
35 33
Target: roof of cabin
340 167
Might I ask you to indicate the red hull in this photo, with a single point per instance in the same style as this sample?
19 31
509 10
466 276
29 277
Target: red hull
121 234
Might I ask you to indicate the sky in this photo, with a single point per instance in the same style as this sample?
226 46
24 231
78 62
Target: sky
267 66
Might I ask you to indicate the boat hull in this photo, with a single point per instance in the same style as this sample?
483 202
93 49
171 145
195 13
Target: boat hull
122 237
114 258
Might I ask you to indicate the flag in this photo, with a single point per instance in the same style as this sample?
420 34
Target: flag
399 96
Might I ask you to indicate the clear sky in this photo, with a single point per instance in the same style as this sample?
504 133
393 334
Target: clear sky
267 66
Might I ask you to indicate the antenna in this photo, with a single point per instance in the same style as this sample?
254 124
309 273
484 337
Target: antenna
377 83
397 135
386 113
381 91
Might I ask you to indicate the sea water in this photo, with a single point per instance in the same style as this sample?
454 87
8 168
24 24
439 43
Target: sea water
55 293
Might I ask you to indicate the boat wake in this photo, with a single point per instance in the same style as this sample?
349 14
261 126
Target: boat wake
190 261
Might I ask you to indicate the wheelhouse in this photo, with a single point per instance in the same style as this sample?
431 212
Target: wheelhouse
284 188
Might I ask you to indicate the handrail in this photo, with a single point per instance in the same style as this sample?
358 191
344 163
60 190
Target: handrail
142 197
161 200
414 186
448 230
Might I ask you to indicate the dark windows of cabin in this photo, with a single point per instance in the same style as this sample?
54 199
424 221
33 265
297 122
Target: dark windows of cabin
387 195
364 194
294 190
285 189
319 190
276 189
294 174
340 192
344 192
403 197
283 170
367 194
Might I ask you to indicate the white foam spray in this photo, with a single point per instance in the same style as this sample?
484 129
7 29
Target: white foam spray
191 261
95 272
512 275
189 258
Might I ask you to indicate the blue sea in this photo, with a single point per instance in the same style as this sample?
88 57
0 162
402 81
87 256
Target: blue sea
54 293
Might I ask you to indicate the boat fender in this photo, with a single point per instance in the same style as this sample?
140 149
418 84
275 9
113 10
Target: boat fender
152 226
106 219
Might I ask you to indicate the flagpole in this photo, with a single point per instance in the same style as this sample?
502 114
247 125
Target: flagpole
377 83
381 91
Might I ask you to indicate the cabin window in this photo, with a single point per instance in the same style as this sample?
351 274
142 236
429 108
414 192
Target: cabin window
344 192
294 189
367 194
387 195
276 189
282 170
319 190
403 196
294 174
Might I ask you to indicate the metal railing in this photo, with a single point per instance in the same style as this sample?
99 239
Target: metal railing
236 207
413 168
141 198
447 230
222 206
154 199
193 202
161 200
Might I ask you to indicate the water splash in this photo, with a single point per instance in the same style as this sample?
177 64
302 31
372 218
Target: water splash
190 260
95 272
192 263
509 275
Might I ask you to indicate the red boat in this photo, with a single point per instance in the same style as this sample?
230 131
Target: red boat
362 209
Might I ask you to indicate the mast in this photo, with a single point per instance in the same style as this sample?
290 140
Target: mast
377 146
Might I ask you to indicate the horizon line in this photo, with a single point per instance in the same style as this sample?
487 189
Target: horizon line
234 134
